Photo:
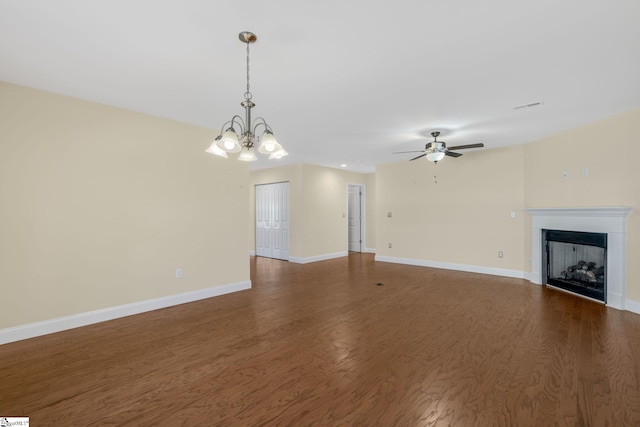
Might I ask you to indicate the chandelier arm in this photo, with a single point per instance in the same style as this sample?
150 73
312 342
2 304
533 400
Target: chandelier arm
224 126
262 122
233 120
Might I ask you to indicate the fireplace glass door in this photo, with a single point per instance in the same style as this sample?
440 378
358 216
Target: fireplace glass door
576 261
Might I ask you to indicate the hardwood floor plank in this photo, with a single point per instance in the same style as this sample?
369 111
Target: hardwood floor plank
322 344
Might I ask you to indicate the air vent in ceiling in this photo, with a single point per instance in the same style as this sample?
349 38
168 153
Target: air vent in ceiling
528 105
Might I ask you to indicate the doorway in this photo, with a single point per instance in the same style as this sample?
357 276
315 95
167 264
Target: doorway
355 210
272 220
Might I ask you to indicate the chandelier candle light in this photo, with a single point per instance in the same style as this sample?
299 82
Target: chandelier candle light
228 140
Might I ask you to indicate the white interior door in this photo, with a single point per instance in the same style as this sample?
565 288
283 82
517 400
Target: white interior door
280 221
272 220
263 220
354 217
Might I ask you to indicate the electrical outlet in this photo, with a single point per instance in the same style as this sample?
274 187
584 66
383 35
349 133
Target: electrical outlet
500 254
389 245
178 273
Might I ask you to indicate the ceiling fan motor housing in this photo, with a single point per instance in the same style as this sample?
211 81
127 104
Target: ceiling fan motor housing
435 146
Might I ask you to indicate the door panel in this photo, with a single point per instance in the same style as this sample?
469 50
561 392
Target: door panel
281 221
263 221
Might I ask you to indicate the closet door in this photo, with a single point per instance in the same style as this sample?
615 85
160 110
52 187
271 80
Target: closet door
280 221
263 220
272 220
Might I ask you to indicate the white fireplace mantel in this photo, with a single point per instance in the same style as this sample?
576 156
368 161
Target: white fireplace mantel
609 220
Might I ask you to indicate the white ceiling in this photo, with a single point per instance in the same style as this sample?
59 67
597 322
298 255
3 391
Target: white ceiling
339 81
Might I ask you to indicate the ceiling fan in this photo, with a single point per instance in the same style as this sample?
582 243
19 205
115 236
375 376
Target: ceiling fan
436 150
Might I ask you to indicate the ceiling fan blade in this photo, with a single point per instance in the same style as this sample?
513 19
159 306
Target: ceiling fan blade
462 147
452 154
403 152
421 155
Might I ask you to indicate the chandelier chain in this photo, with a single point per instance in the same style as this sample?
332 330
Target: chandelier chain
247 94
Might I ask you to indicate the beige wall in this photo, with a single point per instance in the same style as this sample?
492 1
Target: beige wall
464 218
609 149
457 211
100 205
318 201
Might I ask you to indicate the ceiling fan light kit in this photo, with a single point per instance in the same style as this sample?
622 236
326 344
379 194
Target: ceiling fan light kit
238 135
435 156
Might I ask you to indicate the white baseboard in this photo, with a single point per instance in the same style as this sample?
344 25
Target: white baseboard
370 250
252 253
615 301
316 258
458 267
629 305
532 277
22 332
632 306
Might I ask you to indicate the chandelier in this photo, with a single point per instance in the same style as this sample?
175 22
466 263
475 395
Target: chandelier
238 135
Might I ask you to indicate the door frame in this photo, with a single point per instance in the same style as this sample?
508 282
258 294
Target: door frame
271 228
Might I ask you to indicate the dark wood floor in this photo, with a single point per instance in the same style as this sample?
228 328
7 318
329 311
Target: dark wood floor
323 344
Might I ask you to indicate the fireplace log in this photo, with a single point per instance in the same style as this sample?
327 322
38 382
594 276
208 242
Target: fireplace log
584 272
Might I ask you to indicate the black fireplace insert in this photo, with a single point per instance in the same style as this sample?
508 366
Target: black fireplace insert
576 261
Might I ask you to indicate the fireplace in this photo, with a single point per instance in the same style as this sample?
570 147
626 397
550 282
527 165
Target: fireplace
576 262
610 221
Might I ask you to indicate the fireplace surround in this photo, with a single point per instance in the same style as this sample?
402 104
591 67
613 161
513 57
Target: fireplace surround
611 221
